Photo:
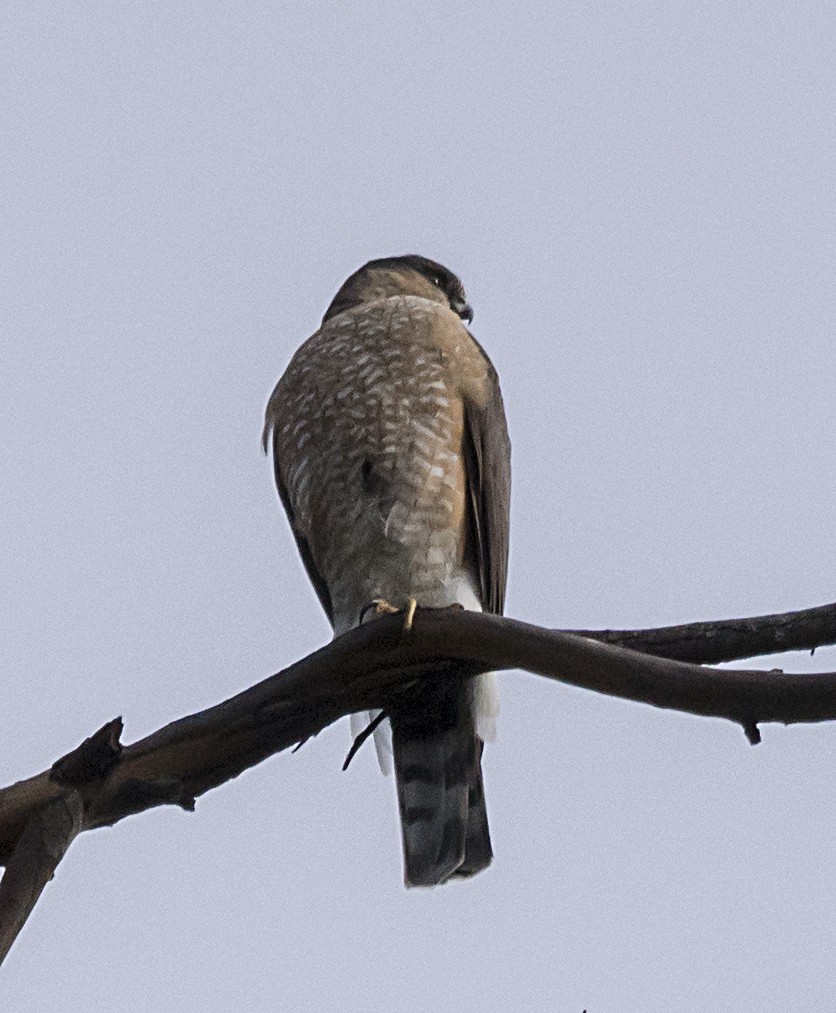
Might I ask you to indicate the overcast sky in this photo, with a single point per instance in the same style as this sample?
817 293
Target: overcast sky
640 201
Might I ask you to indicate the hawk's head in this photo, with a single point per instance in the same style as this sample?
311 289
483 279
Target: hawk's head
408 275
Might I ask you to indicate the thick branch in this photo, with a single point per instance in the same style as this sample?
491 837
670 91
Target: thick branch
364 669
42 845
101 783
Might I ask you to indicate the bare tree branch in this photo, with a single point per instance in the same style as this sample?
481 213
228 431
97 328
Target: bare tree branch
42 845
729 639
101 782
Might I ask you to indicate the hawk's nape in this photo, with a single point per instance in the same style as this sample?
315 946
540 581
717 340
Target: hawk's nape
392 460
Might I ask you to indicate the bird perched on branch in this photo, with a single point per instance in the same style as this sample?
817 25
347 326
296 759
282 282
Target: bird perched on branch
392 460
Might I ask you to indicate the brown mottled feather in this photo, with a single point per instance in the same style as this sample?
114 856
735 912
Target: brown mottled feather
314 575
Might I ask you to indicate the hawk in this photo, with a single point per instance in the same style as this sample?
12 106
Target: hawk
392 460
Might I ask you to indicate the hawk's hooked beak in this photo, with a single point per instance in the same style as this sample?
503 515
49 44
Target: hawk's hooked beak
464 310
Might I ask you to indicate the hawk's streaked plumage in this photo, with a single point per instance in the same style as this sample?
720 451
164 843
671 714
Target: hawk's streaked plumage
392 461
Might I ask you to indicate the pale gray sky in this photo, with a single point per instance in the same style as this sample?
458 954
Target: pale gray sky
639 198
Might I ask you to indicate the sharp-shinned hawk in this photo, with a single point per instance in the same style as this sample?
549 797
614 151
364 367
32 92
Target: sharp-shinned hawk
392 460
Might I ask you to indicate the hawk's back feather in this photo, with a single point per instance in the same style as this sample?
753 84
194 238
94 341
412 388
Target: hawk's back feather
392 460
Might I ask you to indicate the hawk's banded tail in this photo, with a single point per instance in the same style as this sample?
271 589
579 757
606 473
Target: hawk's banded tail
439 780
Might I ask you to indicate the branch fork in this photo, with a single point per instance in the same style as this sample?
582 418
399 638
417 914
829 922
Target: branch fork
101 782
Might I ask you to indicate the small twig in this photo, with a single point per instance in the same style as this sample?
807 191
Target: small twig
93 759
361 738
710 643
752 732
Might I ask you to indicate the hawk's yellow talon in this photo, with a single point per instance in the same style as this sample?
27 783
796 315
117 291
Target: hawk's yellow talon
409 611
384 608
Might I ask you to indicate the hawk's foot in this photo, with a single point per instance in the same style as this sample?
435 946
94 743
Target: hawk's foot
382 607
